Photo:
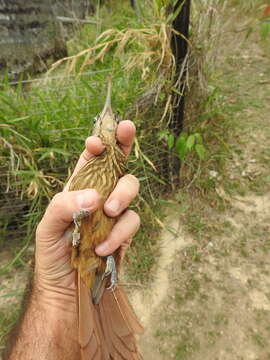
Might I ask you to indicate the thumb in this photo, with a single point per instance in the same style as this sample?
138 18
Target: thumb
59 213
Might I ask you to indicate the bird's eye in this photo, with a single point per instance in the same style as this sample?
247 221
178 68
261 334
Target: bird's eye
95 120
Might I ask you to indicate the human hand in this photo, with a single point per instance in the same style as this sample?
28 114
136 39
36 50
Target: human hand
54 276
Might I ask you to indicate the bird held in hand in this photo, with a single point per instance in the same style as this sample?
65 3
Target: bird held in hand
107 323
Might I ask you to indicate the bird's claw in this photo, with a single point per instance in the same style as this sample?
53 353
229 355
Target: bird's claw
78 216
111 270
77 219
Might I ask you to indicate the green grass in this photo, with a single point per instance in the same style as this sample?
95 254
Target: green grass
258 339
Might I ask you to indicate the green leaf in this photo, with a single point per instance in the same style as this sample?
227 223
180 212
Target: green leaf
200 150
170 141
163 133
198 137
264 30
199 46
51 151
176 12
162 96
190 142
181 147
184 135
177 92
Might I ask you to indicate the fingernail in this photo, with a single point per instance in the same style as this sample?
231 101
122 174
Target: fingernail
113 206
86 199
102 248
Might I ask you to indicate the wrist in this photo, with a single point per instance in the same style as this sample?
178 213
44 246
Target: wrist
54 298
58 309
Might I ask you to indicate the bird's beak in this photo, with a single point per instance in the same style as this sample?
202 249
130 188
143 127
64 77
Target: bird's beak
107 110
106 124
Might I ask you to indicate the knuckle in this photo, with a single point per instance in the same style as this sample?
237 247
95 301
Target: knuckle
95 193
95 196
56 202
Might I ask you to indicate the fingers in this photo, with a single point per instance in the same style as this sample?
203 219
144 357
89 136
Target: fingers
93 145
59 213
122 232
125 191
125 135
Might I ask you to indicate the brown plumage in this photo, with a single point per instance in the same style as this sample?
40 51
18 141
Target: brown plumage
107 323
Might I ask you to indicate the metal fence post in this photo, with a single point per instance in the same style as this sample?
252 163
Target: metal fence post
179 46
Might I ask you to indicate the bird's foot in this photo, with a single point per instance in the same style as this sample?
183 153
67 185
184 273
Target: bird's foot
111 270
77 219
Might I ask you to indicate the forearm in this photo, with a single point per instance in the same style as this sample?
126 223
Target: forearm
47 331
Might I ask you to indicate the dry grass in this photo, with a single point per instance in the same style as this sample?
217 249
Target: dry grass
146 47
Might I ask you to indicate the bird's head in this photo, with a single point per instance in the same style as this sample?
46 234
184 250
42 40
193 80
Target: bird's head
106 122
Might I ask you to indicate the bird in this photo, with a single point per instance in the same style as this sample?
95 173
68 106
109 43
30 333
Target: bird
107 323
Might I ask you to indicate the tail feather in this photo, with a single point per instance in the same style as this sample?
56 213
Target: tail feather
107 330
90 334
116 348
87 330
91 351
120 325
124 303
104 349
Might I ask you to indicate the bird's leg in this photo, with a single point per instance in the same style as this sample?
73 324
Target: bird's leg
77 219
111 270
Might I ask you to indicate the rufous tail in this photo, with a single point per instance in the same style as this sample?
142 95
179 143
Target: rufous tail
107 330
